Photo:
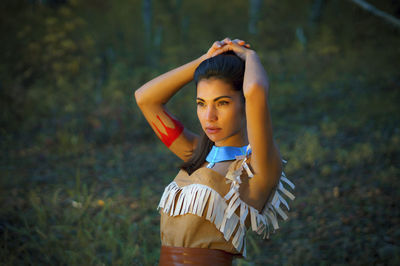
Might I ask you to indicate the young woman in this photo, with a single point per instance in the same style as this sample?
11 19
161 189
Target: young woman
231 176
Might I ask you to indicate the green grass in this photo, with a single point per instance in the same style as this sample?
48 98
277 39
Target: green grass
97 205
82 173
82 216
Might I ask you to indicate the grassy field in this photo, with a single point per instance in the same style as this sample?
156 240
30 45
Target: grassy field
82 173
96 205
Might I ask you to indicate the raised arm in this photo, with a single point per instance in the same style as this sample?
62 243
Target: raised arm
265 159
152 97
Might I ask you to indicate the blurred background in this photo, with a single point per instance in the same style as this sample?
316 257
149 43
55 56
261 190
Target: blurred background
82 172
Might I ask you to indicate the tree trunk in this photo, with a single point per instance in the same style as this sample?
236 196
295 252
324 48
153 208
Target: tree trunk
379 13
147 16
316 10
254 15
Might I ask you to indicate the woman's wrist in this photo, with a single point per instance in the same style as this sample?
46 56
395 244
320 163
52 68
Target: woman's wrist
204 57
256 78
249 53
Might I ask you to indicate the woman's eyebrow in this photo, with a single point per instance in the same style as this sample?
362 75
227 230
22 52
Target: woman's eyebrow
216 99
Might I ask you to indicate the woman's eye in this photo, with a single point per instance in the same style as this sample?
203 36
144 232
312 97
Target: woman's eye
200 104
223 103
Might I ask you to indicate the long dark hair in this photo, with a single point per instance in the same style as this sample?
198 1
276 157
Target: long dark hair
230 68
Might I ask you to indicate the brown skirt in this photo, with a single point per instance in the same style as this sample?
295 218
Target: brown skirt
172 256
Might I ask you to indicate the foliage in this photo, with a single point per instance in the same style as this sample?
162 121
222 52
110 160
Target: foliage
79 183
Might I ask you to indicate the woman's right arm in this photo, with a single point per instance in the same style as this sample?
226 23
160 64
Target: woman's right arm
159 90
151 99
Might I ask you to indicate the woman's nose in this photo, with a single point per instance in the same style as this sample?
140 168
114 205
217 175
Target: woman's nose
211 114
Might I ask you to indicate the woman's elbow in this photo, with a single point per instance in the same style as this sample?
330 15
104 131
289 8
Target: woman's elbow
139 97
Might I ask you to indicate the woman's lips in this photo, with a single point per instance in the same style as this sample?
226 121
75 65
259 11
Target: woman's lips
212 130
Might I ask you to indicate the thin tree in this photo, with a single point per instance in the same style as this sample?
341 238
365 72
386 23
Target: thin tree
370 8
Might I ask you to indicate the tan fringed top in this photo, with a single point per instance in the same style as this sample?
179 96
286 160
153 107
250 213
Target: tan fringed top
209 210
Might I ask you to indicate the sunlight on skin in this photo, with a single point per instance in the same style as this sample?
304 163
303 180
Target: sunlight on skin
221 113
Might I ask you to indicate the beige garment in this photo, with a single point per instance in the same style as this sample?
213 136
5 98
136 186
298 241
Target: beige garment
204 210
190 230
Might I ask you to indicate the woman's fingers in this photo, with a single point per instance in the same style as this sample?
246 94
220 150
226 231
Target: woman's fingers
227 40
223 49
237 41
227 44
238 49
216 44
241 42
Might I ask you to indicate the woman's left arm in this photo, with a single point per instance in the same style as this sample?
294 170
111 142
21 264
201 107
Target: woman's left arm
265 159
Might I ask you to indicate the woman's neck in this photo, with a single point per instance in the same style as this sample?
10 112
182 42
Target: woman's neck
238 140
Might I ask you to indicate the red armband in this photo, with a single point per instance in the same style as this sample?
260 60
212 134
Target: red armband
172 133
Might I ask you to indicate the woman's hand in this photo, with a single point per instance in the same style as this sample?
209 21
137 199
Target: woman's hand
237 46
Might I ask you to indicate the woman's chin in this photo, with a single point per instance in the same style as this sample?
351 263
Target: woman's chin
213 138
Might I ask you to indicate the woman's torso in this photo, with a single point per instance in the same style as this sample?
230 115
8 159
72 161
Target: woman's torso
196 227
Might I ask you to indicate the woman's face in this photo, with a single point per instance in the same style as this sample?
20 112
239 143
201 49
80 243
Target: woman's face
221 112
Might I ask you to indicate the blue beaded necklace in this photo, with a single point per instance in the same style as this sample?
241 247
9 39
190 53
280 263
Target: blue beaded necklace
225 153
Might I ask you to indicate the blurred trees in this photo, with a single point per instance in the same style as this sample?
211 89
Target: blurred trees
75 64
70 130
379 13
47 55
